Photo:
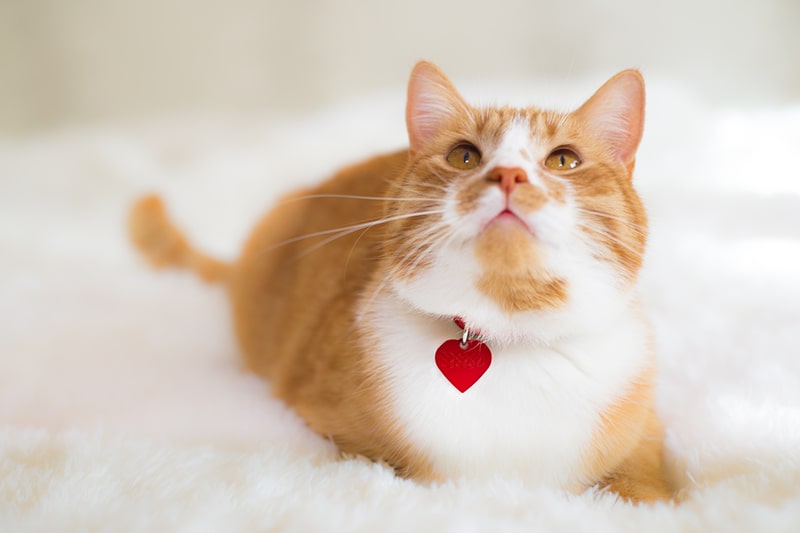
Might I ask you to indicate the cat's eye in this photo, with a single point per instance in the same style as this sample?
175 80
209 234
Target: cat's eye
562 159
464 157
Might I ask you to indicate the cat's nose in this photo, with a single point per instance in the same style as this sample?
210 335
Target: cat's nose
508 178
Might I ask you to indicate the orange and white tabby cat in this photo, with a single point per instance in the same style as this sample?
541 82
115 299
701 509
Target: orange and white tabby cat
466 307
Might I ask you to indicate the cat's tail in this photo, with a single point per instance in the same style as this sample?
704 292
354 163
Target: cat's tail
163 244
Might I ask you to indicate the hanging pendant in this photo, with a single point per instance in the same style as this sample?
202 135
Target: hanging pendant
463 361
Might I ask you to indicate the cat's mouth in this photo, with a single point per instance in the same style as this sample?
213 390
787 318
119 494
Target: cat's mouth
507 216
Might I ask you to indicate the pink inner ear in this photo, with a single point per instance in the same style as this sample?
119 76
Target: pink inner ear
422 126
616 113
432 102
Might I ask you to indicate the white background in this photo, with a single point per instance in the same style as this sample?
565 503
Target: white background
99 60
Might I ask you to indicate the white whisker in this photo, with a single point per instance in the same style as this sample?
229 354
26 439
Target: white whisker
426 248
355 227
359 197
612 238
637 227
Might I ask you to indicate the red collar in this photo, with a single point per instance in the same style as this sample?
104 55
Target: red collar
462 324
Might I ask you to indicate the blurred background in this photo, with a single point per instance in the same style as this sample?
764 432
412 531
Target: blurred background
90 61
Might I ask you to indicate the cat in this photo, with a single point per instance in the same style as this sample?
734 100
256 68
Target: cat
464 308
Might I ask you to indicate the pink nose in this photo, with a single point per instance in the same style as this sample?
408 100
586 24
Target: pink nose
508 178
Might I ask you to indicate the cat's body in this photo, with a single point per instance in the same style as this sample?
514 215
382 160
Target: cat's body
540 262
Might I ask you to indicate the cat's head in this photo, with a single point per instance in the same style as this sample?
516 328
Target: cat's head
518 218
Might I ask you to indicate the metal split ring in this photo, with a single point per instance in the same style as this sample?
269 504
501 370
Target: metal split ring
464 339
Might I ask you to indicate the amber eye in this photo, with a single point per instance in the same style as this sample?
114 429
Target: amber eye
464 157
562 159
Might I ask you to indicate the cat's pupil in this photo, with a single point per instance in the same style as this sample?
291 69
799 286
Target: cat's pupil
467 155
563 160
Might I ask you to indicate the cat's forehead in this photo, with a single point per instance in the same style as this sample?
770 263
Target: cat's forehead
512 136
515 145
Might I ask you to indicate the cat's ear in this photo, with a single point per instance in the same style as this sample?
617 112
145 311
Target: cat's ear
616 114
432 102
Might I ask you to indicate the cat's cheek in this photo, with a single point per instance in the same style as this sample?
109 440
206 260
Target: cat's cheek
468 220
446 287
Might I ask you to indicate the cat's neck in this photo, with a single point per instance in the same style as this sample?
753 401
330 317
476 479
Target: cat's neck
387 306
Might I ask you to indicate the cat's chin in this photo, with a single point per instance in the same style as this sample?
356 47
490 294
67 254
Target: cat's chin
506 244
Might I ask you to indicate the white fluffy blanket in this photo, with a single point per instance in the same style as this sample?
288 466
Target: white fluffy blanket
122 405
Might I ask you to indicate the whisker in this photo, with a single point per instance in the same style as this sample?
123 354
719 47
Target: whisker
377 290
445 234
352 248
424 254
322 243
426 247
441 178
419 236
612 238
416 237
435 186
355 227
360 197
637 227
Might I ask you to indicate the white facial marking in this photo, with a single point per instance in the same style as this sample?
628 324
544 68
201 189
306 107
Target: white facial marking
516 138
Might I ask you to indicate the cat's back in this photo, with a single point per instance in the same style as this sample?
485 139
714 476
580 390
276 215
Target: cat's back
306 261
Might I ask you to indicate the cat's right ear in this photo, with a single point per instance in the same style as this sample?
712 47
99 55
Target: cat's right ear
615 113
432 102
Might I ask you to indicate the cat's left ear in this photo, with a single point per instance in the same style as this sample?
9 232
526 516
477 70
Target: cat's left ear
615 113
432 102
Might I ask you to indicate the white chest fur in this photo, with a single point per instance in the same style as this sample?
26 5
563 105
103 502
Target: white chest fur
533 414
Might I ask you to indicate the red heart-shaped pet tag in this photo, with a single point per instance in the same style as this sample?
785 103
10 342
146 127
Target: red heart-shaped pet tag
463 365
